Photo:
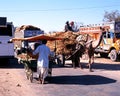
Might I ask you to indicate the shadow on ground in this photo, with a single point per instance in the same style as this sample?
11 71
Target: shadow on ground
106 66
82 80
103 66
11 63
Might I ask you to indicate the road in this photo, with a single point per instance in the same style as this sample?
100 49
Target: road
65 81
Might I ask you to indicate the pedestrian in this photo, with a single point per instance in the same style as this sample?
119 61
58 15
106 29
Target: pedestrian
72 26
43 52
68 27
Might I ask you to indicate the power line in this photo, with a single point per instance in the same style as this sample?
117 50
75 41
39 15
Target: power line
65 9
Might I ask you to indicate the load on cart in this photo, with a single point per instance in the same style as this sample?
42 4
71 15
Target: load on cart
29 60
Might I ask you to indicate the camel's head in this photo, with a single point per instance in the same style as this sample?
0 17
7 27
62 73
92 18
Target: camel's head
104 29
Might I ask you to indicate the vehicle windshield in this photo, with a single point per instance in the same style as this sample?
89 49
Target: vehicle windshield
6 31
117 35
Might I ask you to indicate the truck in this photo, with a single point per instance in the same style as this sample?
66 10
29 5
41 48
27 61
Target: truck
110 44
6 34
25 31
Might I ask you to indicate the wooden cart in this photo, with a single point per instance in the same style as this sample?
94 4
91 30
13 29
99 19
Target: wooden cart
30 64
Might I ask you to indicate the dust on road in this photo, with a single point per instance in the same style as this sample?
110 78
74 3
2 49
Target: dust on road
105 80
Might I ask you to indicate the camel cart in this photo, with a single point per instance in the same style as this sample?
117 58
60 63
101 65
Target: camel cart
30 61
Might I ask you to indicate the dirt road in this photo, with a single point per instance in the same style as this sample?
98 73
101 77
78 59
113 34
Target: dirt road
12 83
66 81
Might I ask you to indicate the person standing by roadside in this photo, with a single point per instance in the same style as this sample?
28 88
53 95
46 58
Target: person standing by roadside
43 52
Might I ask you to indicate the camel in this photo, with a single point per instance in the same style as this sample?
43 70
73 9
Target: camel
69 50
88 47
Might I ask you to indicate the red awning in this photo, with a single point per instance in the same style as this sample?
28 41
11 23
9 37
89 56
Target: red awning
36 38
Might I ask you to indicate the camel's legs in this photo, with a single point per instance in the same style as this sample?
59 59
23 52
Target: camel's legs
91 61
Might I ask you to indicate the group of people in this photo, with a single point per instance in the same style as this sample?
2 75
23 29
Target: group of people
44 55
70 26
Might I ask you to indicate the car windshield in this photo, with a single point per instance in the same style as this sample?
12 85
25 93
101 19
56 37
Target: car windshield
117 35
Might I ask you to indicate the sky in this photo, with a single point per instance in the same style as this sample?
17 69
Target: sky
51 15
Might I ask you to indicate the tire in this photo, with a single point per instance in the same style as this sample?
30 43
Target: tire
26 71
105 55
31 77
27 74
113 55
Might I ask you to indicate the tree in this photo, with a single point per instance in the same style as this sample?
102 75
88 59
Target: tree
111 16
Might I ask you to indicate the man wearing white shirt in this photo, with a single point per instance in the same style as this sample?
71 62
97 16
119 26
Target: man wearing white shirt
43 52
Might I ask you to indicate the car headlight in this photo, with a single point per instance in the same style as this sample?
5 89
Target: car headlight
118 43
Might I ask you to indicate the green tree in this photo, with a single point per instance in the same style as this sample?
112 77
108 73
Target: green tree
111 16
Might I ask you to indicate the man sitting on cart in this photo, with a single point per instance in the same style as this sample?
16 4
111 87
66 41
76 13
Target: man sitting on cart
43 52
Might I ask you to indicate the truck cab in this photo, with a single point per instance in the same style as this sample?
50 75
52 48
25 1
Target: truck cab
6 45
6 34
110 45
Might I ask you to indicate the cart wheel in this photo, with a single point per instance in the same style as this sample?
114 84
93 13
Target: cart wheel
31 76
27 75
26 72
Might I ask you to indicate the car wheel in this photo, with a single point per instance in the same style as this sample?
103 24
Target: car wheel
113 55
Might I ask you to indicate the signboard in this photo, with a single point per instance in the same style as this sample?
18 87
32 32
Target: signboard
30 33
